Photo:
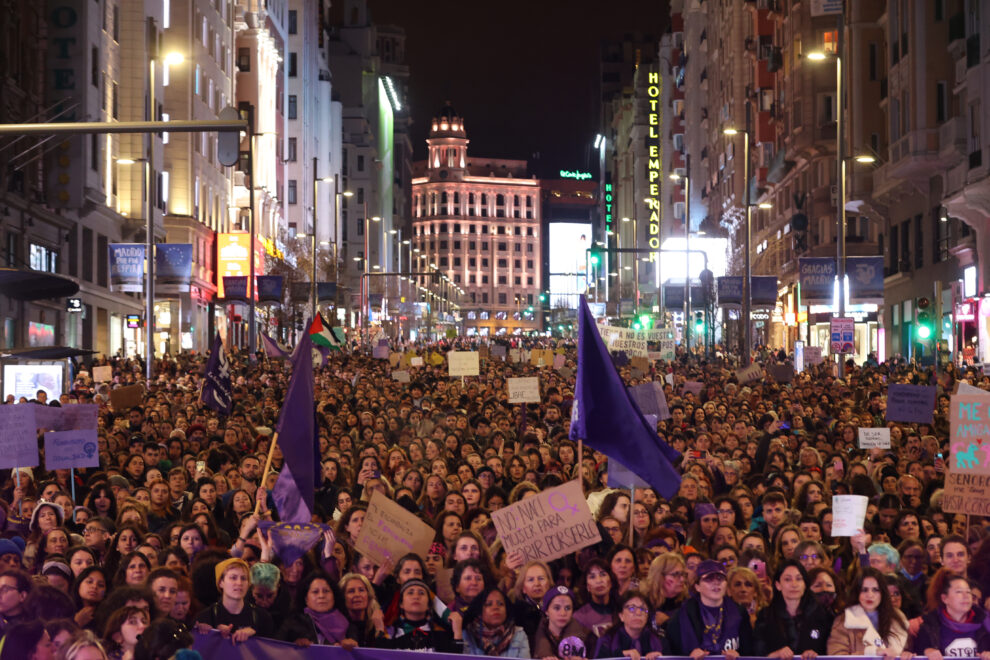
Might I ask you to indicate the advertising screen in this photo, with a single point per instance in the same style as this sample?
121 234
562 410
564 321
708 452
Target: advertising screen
569 242
233 258
24 380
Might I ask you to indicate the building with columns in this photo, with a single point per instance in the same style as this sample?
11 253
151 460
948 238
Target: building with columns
477 222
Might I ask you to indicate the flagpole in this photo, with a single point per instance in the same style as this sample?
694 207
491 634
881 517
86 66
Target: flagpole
264 474
581 464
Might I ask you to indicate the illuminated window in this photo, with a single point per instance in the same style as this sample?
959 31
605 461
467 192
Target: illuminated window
830 41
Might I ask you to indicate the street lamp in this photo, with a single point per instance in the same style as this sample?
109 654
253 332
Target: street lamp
747 265
687 246
366 283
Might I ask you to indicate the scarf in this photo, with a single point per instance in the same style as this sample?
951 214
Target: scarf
331 626
966 627
711 619
495 640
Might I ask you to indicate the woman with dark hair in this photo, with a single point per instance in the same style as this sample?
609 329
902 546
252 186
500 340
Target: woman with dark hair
469 580
631 631
794 623
133 569
102 501
872 626
597 585
493 632
448 526
316 619
27 640
123 630
88 592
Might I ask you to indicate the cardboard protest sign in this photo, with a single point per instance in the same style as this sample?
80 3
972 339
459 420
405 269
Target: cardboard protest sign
540 357
752 372
874 438
515 355
102 374
401 376
71 449
18 436
483 352
641 363
650 399
416 361
848 514
782 373
394 359
967 482
911 403
524 390
551 524
693 386
124 398
389 531
463 363
812 355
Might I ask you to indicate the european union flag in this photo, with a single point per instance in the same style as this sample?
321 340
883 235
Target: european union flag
607 418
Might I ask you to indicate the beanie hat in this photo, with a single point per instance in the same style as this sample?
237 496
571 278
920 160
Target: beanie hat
553 592
227 564
415 582
12 547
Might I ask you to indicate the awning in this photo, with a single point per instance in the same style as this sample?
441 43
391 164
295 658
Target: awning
22 284
44 353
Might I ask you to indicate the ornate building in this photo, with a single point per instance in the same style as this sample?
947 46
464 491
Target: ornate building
477 221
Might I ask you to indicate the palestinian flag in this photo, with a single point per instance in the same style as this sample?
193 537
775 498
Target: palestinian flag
323 335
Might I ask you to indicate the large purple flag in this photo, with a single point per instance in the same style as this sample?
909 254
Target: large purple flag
290 541
293 492
608 419
216 388
272 349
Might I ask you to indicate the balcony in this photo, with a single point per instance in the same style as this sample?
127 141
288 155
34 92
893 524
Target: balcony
952 141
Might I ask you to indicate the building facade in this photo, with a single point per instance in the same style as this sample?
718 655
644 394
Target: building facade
477 222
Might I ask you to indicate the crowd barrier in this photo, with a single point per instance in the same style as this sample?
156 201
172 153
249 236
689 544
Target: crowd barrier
212 645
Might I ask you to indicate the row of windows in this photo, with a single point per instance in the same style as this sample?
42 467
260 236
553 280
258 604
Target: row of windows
450 204
502 299
442 228
484 315
445 198
472 245
473 263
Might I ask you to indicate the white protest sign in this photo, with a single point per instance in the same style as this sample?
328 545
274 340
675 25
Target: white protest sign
874 438
102 374
524 390
463 363
752 372
71 449
848 514
400 376
416 362
667 349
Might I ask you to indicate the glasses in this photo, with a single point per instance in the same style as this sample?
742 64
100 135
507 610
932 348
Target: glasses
637 609
713 577
94 530
731 561
610 528
678 575
4 589
813 556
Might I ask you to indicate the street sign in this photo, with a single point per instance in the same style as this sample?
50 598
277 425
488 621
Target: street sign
842 332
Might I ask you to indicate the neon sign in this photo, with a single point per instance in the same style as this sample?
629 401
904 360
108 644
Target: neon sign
608 208
574 174
654 160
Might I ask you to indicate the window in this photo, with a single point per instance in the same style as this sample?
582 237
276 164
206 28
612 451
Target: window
501 298
517 280
43 259
472 245
484 280
529 249
517 247
457 245
484 301
503 263
503 246
941 101
484 262
293 61
293 106
472 262
292 191
457 262
360 164
292 150
919 243
502 279
873 61
529 265
529 281
516 263
244 60
94 67
293 21
443 262
830 41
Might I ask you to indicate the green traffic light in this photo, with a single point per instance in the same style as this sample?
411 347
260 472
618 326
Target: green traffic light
636 326
594 259
924 332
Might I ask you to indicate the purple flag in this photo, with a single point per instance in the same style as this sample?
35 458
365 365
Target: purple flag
290 541
216 388
272 349
293 492
608 419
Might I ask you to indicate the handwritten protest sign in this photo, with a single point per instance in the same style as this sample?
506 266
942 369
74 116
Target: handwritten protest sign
400 376
640 363
812 355
524 390
463 363
124 398
848 514
551 524
752 372
651 400
875 438
18 436
416 361
71 449
911 403
394 359
967 482
389 531
102 374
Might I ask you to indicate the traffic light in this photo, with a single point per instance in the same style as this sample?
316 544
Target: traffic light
699 322
925 328
543 297
595 256
645 322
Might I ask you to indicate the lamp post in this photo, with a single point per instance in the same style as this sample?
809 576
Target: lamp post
687 248
365 280
747 300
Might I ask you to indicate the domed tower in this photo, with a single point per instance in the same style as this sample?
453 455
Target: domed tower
447 144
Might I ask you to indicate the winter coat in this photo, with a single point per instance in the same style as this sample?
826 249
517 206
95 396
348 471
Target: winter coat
808 631
854 634
617 640
686 629
934 634
518 647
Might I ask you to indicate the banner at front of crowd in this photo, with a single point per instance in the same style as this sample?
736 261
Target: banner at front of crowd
967 482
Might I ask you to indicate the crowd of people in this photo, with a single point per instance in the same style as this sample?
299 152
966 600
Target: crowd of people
162 540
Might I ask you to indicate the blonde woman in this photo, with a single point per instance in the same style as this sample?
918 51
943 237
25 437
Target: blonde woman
666 585
746 591
367 622
532 582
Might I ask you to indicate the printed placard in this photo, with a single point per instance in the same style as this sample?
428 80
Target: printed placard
967 482
524 390
848 514
71 449
911 403
668 348
416 361
463 363
18 436
102 374
874 438
389 531
551 524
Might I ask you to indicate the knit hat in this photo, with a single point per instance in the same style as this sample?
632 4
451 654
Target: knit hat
702 509
57 568
553 592
227 564
59 514
437 548
12 546
413 583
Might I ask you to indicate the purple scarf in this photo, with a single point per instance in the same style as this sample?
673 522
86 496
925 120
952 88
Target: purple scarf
330 626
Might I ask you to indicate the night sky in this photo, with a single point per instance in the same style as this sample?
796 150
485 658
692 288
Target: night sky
522 73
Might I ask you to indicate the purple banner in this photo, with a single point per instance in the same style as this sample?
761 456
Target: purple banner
911 403
290 541
269 288
235 287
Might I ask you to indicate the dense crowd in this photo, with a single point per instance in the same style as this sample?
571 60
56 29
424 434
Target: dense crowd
163 539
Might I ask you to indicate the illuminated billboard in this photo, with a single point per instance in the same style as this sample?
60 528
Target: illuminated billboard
569 243
233 258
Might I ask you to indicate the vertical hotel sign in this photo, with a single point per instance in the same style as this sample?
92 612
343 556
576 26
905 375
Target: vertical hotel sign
66 85
654 160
